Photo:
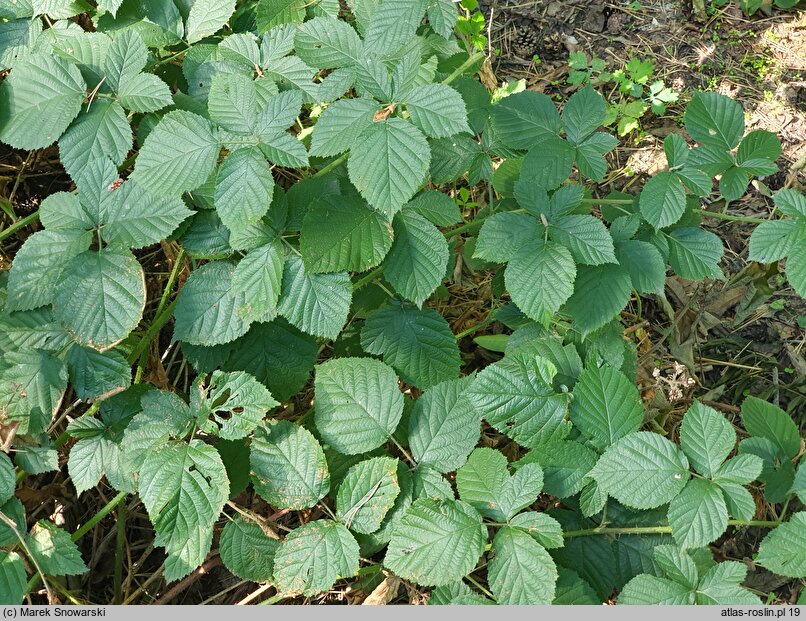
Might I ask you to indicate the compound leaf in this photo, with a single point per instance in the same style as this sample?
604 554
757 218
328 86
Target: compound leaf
698 515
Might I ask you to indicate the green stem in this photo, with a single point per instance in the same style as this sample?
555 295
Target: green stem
656 530
724 216
19 224
334 164
105 510
459 71
163 313
120 549
465 228
607 201
372 275
475 328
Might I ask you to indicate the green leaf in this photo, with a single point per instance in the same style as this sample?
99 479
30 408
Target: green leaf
275 12
258 276
742 469
39 264
417 343
677 564
438 110
773 240
53 550
714 120
549 163
739 501
573 590
524 119
315 303
644 590
676 150
358 404
415 266
101 132
136 218
565 464
516 397
540 278
436 542
600 294
663 200
183 486
698 515
796 270
583 113
32 384
522 572
243 188
436 207
96 375
695 253
503 234
341 233
340 125
284 149
288 466
206 17
444 426
125 59
791 203
768 421
100 297
392 25
733 183
606 405
209 310
799 484
586 237
314 556
233 103
7 479
39 100
236 401
759 144
247 551
367 494
541 527
391 164
783 550
642 470
706 438
644 263
178 155
12 578
484 482
720 585
144 92
442 17
327 43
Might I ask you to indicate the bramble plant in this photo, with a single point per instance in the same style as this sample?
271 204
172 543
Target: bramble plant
290 158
